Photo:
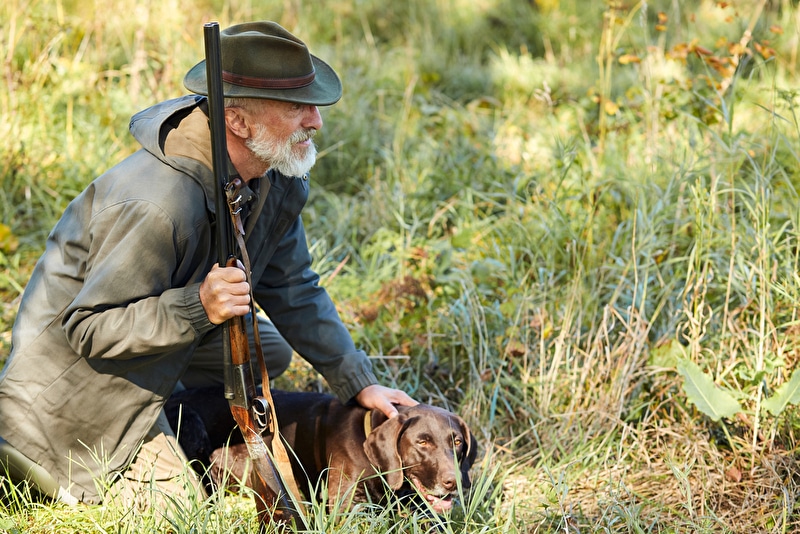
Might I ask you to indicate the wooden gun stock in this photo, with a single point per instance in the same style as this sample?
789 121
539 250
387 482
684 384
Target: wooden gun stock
253 416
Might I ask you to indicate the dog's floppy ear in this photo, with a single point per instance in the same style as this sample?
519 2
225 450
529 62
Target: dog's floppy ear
381 449
470 452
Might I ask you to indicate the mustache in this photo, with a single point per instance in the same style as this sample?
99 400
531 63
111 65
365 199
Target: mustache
302 135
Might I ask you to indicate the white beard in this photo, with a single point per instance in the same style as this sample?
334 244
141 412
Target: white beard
280 155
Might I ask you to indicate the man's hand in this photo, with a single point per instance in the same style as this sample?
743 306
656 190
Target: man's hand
225 294
381 398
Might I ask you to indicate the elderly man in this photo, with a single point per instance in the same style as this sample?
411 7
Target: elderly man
126 302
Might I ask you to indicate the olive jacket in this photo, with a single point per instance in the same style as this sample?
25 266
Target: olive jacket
112 312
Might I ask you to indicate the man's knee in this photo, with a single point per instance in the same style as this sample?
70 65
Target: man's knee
277 351
278 358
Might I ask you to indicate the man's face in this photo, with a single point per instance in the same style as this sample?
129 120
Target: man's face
283 136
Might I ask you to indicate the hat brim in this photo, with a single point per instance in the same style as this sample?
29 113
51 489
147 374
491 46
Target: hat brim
325 90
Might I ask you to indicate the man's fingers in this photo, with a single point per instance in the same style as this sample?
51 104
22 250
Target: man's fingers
232 275
404 399
382 398
229 274
389 410
225 294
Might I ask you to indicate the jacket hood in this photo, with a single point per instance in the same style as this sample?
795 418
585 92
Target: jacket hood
177 133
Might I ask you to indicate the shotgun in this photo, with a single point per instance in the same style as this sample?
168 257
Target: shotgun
253 414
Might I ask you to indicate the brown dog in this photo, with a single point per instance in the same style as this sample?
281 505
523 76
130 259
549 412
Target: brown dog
424 450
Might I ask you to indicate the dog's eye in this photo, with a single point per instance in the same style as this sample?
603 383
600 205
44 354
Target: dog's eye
457 442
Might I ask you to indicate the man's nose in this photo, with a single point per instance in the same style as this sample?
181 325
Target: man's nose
312 118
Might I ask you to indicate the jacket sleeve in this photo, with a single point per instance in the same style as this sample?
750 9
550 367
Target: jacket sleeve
129 303
289 292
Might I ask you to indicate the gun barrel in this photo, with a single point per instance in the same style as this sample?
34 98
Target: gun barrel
219 147
219 162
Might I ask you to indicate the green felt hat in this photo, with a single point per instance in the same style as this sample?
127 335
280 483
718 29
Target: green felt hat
263 60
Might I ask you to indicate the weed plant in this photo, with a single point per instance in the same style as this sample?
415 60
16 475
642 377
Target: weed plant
574 223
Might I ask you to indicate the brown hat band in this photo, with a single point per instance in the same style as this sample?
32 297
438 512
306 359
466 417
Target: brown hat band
267 83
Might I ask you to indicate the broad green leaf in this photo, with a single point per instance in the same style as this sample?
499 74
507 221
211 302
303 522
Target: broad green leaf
701 391
788 393
667 354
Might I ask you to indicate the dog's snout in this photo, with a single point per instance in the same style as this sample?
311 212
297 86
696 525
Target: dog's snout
449 482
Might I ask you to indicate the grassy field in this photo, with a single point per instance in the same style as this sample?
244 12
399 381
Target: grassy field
575 223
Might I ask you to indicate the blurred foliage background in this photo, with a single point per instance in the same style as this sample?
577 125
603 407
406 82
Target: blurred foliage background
574 222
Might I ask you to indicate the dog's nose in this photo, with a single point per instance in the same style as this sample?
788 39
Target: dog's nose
449 482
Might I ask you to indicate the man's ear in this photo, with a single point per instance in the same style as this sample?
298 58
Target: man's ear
237 123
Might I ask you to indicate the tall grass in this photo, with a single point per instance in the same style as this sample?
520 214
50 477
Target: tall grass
526 211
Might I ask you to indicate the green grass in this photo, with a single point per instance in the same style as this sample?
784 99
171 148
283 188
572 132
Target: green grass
527 211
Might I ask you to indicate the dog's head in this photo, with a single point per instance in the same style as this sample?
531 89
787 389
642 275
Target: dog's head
427 446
